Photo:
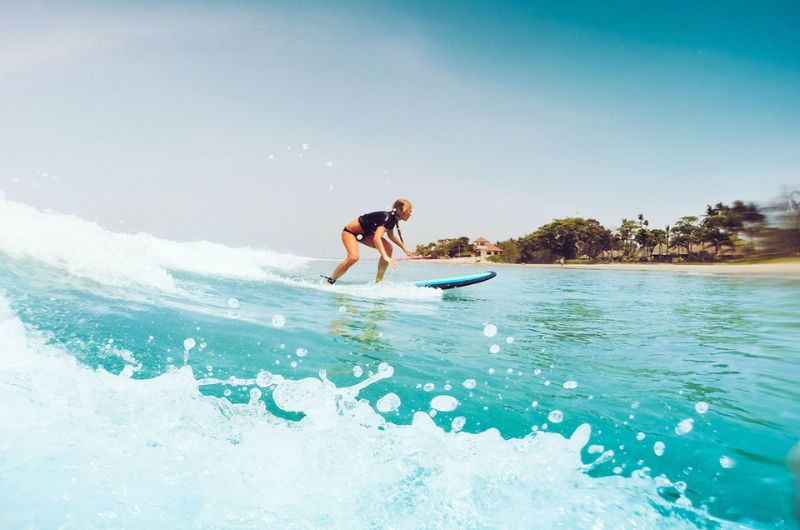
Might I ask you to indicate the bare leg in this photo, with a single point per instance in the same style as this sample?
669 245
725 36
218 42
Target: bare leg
351 245
382 263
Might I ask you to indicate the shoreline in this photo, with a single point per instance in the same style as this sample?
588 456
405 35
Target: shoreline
777 269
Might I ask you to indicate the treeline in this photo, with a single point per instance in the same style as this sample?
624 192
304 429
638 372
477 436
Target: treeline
447 248
722 232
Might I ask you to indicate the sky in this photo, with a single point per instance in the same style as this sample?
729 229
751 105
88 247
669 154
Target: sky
273 124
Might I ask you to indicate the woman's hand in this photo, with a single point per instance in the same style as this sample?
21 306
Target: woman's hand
393 263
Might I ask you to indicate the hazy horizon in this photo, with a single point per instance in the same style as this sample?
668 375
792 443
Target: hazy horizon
272 126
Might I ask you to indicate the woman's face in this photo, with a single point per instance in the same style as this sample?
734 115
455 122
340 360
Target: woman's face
405 213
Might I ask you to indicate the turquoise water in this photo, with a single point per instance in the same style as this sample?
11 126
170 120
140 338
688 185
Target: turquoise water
149 382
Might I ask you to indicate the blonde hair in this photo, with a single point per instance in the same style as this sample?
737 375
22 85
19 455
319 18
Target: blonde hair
401 204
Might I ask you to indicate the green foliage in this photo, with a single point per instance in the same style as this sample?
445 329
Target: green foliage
743 227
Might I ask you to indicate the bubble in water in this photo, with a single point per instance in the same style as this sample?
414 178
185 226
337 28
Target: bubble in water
658 448
617 470
293 364
233 303
448 387
727 462
490 330
635 405
255 395
509 340
534 404
594 449
538 371
301 352
555 416
278 321
427 387
701 407
491 370
570 385
684 427
342 309
209 368
640 436
227 392
388 403
494 348
358 371
547 383
469 384
444 403
263 378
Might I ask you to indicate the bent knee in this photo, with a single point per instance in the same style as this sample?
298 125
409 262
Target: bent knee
389 248
351 259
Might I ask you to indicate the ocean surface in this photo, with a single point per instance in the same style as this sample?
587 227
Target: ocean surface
147 383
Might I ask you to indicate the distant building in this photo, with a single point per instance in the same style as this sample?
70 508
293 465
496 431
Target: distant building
486 248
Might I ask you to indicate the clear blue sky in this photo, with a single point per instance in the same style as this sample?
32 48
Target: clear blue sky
188 119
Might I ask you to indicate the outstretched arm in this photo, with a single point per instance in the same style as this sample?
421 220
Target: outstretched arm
400 243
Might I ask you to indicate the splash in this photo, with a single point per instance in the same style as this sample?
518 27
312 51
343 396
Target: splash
111 446
84 249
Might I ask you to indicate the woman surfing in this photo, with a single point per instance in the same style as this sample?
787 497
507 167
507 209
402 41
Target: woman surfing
369 230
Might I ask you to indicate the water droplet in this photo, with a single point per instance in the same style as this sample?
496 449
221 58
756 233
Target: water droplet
227 392
427 387
727 462
278 321
570 385
658 448
386 369
388 403
301 352
458 423
509 340
494 348
640 436
534 404
444 403
701 407
684 427
233 303
594 449
555 416
490 330
306 147
188 344
358 371
329 163
342 309
469 384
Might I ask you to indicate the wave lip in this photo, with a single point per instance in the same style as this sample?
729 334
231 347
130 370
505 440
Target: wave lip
84 249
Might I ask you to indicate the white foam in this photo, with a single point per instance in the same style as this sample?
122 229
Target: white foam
84 249
110 447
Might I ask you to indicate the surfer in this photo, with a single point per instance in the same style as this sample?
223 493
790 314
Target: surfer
369 230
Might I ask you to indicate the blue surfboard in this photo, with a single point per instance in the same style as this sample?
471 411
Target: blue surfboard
461 281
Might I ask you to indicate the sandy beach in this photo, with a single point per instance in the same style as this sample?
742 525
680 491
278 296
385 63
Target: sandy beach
772 269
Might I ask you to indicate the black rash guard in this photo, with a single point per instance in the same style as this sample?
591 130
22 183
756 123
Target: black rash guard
371 221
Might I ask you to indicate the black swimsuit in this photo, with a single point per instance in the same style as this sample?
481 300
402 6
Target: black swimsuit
371 221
